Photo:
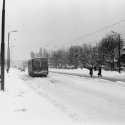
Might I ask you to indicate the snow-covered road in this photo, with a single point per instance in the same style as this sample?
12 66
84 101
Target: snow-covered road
85 100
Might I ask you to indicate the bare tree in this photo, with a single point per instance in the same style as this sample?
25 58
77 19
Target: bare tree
32 54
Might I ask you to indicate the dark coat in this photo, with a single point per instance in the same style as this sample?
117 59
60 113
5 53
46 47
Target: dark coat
100 71
91 71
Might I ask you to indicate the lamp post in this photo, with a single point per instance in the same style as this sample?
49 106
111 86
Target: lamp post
8 50
119 62
2 46
8 58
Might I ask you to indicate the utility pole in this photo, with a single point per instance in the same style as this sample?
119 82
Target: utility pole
119 53
2 46
119 44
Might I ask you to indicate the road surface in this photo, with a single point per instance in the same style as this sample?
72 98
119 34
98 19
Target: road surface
83 99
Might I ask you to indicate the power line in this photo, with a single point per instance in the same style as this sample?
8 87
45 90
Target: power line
89 34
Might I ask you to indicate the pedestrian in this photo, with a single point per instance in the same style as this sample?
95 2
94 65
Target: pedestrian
91 71
7 70
100 71
95 68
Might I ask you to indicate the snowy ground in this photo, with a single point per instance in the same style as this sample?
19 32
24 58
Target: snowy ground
20 105
62 99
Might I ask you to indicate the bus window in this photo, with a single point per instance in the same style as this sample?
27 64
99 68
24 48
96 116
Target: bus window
36 63
43 63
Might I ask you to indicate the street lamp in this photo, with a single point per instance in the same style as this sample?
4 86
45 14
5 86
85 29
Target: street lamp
8 50
118 49
8 58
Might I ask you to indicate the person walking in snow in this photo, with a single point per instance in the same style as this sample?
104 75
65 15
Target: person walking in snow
100 72
95 68
91 71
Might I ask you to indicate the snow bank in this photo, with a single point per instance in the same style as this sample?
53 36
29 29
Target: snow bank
84 71
20 105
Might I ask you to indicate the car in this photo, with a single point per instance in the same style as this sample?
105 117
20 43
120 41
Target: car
22 69
19 68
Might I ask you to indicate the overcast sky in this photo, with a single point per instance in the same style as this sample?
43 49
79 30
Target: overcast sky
55 24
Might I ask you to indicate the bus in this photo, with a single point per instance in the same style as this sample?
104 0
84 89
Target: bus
38 67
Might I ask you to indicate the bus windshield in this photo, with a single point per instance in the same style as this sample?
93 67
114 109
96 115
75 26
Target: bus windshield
38 63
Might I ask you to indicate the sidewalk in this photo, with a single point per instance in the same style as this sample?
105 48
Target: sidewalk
107 75
20 105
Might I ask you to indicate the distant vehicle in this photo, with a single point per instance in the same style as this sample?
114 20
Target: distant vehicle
38 67
19 68
22 69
